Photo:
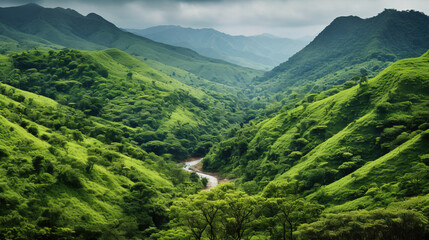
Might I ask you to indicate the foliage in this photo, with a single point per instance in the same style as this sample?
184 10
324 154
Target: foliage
376 224
226 213
161 116
57 183
333 149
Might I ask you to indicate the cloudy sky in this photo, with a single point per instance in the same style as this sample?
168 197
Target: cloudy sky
286 18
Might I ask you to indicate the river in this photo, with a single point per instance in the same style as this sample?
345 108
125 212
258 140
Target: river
212 180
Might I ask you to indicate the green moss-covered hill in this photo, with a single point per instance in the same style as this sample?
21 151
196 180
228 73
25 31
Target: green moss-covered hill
28 26
349 48
363 147
57 182
159 113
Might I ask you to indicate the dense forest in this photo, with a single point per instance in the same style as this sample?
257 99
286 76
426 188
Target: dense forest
94 122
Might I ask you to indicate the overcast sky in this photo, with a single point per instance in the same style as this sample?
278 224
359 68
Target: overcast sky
286 18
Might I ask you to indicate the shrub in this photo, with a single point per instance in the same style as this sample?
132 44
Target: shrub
77 135
295 155
33 130
45 137
319 130
23 124
425 159
69 177
204 181
362 224
3 153
424 126
384 108
90 163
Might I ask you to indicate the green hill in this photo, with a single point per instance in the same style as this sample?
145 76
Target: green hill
161 114
57 182
89 138
348 48
364 147
32 24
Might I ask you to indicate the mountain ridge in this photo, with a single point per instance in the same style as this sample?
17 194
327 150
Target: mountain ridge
334 148
251 51
348 45
68 28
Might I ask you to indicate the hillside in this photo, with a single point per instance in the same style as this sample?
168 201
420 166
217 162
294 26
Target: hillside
330 145
349 48
259 52
57 182
363 147
31 25
159 113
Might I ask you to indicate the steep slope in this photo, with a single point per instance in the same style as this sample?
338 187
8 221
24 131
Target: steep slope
68 28
13 40
260 52
161 114
367 142
57 182
349 47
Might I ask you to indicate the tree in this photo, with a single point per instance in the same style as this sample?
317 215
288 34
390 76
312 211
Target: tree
285 215
221 213
37 163
238 213
381 224
415 182
90 163
198 212
130 76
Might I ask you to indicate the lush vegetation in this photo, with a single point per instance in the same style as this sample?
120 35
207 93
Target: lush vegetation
57 182
228 213
328 137
345 50
89 140
156 111
362 148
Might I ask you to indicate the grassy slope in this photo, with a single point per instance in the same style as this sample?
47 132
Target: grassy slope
356 123
149 101
96 204
119 63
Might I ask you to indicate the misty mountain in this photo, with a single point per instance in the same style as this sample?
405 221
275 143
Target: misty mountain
262 52
28 26
348 46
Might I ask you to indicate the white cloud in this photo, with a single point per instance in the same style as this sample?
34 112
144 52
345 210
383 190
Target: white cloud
293 18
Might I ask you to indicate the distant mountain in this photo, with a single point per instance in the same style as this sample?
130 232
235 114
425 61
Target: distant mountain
263 51
349 46
31 26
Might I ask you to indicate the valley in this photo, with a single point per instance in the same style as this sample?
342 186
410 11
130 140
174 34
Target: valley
212 181
259 52
96 124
